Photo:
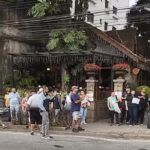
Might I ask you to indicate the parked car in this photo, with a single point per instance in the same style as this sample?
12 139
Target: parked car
5 114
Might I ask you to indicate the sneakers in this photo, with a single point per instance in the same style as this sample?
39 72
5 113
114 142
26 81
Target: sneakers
80 129
83 123
47 137
75 130
4 126
67 128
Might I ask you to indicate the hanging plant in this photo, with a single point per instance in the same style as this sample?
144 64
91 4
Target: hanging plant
124 67
92 67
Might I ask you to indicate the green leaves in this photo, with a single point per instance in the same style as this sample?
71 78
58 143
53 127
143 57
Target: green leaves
53 43
70 39
44 8
39 9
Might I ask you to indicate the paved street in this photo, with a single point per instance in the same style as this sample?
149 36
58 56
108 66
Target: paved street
24 141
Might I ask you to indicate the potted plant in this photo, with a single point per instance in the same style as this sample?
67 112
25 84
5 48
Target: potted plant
121 68
92 68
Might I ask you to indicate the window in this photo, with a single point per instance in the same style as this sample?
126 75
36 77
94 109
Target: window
114 10
100 21
106 26
113 28
90 17
106 3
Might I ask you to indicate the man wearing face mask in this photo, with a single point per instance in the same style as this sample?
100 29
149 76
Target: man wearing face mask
14 100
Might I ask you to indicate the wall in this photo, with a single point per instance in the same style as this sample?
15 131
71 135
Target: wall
107 15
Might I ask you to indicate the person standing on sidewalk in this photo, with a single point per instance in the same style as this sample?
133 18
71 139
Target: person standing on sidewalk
114 110
123 105
76 103
134 109
34 111
14 100
84 104
56 106
44 111
67 108
142 105
24 109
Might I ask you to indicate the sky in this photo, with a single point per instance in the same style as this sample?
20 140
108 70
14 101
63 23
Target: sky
132 2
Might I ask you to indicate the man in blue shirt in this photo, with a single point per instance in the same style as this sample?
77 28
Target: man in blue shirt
14 100
75 106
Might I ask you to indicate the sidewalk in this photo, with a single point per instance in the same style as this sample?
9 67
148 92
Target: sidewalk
99 129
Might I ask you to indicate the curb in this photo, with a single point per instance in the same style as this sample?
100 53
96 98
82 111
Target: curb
107 135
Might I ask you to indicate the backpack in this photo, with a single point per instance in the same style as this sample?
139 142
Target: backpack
56 104
67 105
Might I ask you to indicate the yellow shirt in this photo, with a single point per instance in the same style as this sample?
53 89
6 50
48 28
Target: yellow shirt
6 100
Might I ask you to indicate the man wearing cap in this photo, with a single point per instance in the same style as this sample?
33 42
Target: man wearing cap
76 103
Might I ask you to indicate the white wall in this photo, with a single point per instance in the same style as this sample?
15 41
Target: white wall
107 16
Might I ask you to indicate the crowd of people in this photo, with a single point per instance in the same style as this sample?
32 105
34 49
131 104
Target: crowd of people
130 108
37 104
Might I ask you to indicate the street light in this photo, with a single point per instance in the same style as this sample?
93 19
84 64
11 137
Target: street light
48 69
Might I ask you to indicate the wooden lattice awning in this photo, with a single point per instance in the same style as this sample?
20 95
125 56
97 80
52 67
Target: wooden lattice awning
107 50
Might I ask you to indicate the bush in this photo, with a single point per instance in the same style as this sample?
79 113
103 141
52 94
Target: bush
147 89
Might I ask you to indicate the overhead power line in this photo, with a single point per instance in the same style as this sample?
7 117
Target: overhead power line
63 16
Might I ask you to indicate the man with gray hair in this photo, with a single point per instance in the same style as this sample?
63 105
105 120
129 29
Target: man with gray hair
14 100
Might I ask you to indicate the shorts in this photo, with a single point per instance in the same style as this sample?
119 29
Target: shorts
35 116
76 115
14 108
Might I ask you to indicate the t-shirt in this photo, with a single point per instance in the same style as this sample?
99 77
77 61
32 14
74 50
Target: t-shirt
33 101
36 101
111 101
56 102
129 99
75 106
14 98
143 101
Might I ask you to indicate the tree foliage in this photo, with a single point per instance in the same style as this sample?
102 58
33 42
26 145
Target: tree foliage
66 39
69 39
50 7
139 17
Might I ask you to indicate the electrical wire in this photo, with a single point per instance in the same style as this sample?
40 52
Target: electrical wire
62 16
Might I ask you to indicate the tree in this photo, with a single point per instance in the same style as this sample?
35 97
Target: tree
66 39
139 17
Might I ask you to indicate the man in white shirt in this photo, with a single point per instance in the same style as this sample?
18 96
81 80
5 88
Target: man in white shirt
35 106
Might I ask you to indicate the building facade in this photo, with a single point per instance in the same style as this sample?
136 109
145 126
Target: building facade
108 15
